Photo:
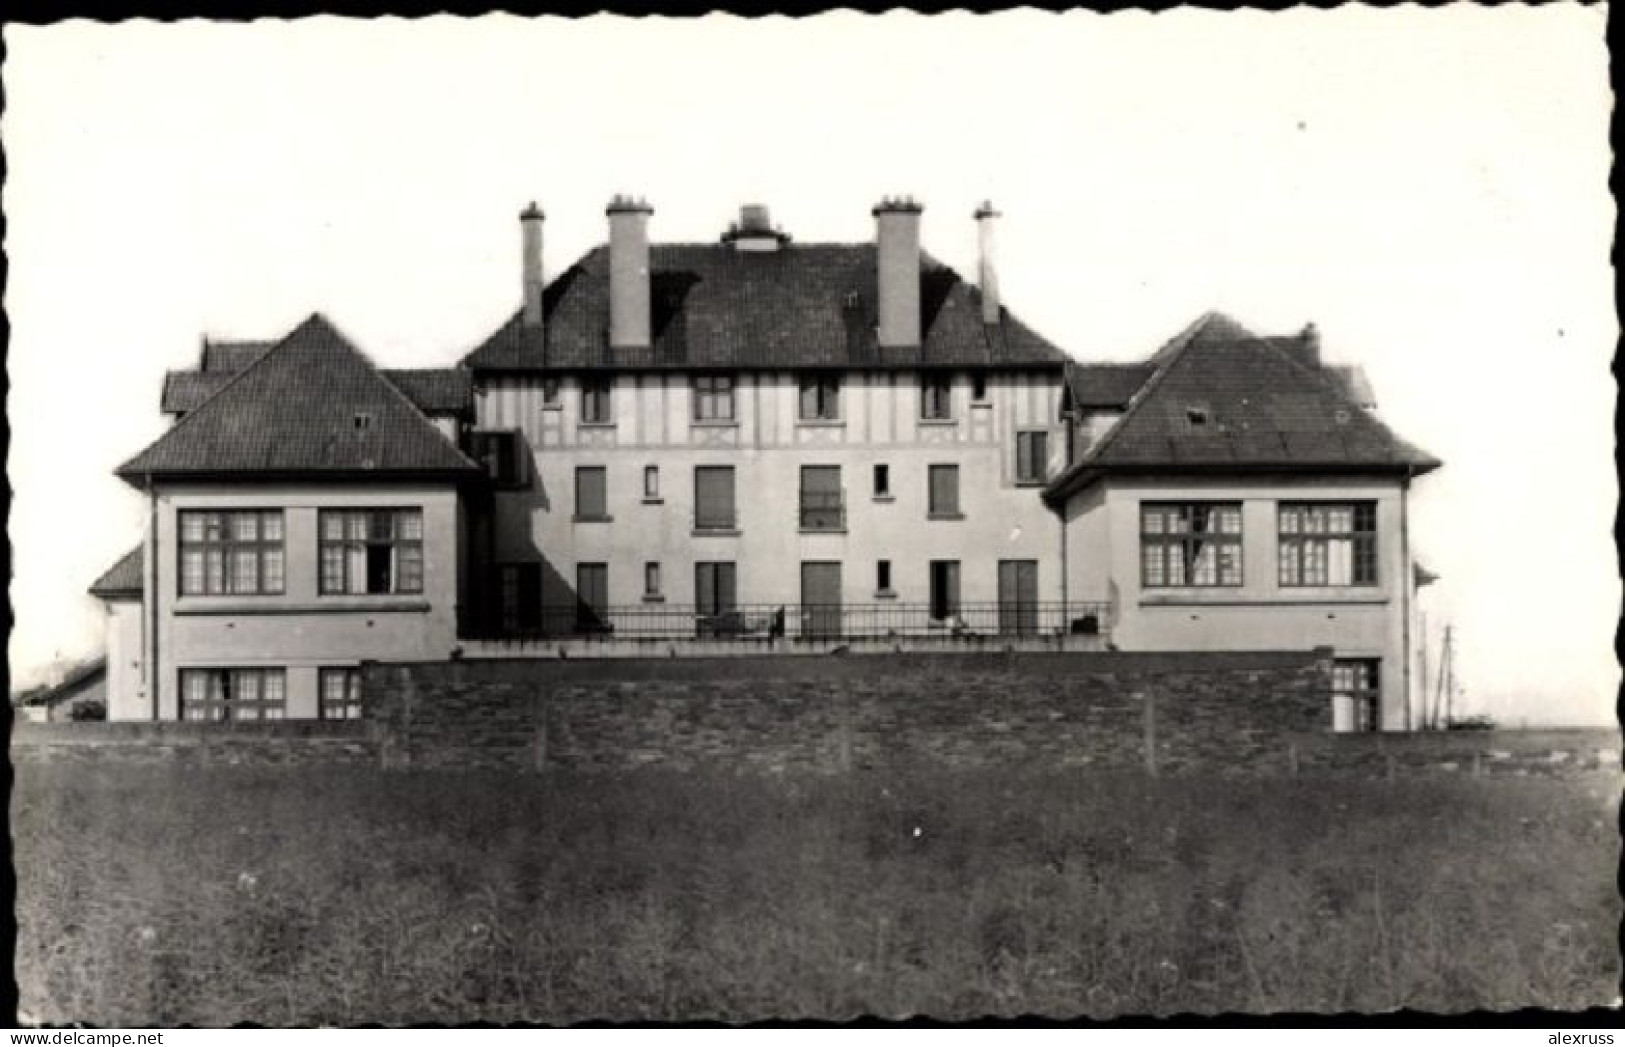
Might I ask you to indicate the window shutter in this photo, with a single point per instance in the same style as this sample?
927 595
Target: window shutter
590 500
714 496
944 489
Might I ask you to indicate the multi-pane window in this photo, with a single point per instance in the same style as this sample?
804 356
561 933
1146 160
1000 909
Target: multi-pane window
714 498
231 552
498 454
1032 457
592 497
595 400
1355 685
233 694
943 493
371 551
936 397
1328 543
822 506
340 694
713 398
820 397
519 596
882 481
1190 543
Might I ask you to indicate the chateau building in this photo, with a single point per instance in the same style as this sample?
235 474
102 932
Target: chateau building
755 445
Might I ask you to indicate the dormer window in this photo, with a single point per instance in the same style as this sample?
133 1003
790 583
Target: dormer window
362 420
1196 416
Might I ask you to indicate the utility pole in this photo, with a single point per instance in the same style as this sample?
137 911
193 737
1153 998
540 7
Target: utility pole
1440 697
1423 674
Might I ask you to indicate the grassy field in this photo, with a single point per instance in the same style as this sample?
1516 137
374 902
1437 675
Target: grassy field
327 895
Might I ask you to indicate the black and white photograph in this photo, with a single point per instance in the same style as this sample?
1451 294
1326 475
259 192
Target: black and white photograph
875 517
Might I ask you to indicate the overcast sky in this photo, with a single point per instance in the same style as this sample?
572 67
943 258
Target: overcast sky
1428 186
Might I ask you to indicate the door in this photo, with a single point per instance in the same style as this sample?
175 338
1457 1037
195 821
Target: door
944 589
592 598
820 599
716 596
1018 597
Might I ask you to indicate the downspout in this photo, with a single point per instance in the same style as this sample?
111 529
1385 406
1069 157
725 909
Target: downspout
1407 576
153 596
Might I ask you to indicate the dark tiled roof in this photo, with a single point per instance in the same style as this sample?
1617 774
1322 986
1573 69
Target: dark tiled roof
805 305
231 357
1260 407
311 406
446 390
124 578
1104 385
73 681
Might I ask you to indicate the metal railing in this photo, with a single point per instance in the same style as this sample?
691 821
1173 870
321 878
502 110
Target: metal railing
823 511
888 619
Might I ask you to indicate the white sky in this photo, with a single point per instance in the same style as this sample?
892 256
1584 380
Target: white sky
1428 186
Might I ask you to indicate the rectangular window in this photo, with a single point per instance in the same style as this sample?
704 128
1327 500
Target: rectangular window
592 598
978 387
238 552
944 589
238 695
596 403
820 398
499 454
943 493
651 483
882 481
370 551
520 597
1190 544
714 498
1356 686
882 576
550 393
936 397
340 693
651 579
592 501
821 501
1032 457
1328 543
713 398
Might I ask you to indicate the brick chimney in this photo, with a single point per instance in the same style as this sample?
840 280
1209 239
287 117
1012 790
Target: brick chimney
987 275
530 224
628 272
1310 338
897 264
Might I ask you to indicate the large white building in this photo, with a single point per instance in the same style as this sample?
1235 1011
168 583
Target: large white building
755 444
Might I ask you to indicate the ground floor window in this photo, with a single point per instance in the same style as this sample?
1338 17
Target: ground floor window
340 694
1355 689
233 694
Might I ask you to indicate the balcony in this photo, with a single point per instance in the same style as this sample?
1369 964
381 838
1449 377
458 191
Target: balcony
1082 624
823 511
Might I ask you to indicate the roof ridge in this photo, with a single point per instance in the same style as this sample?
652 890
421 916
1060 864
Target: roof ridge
1176 348
231 381
401 395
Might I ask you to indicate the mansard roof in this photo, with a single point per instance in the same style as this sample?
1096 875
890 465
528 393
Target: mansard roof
1221 398
801 306
310 407
122 579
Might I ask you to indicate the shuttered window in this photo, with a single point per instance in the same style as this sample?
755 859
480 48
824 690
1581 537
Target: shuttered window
944 491
591 499
714 498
